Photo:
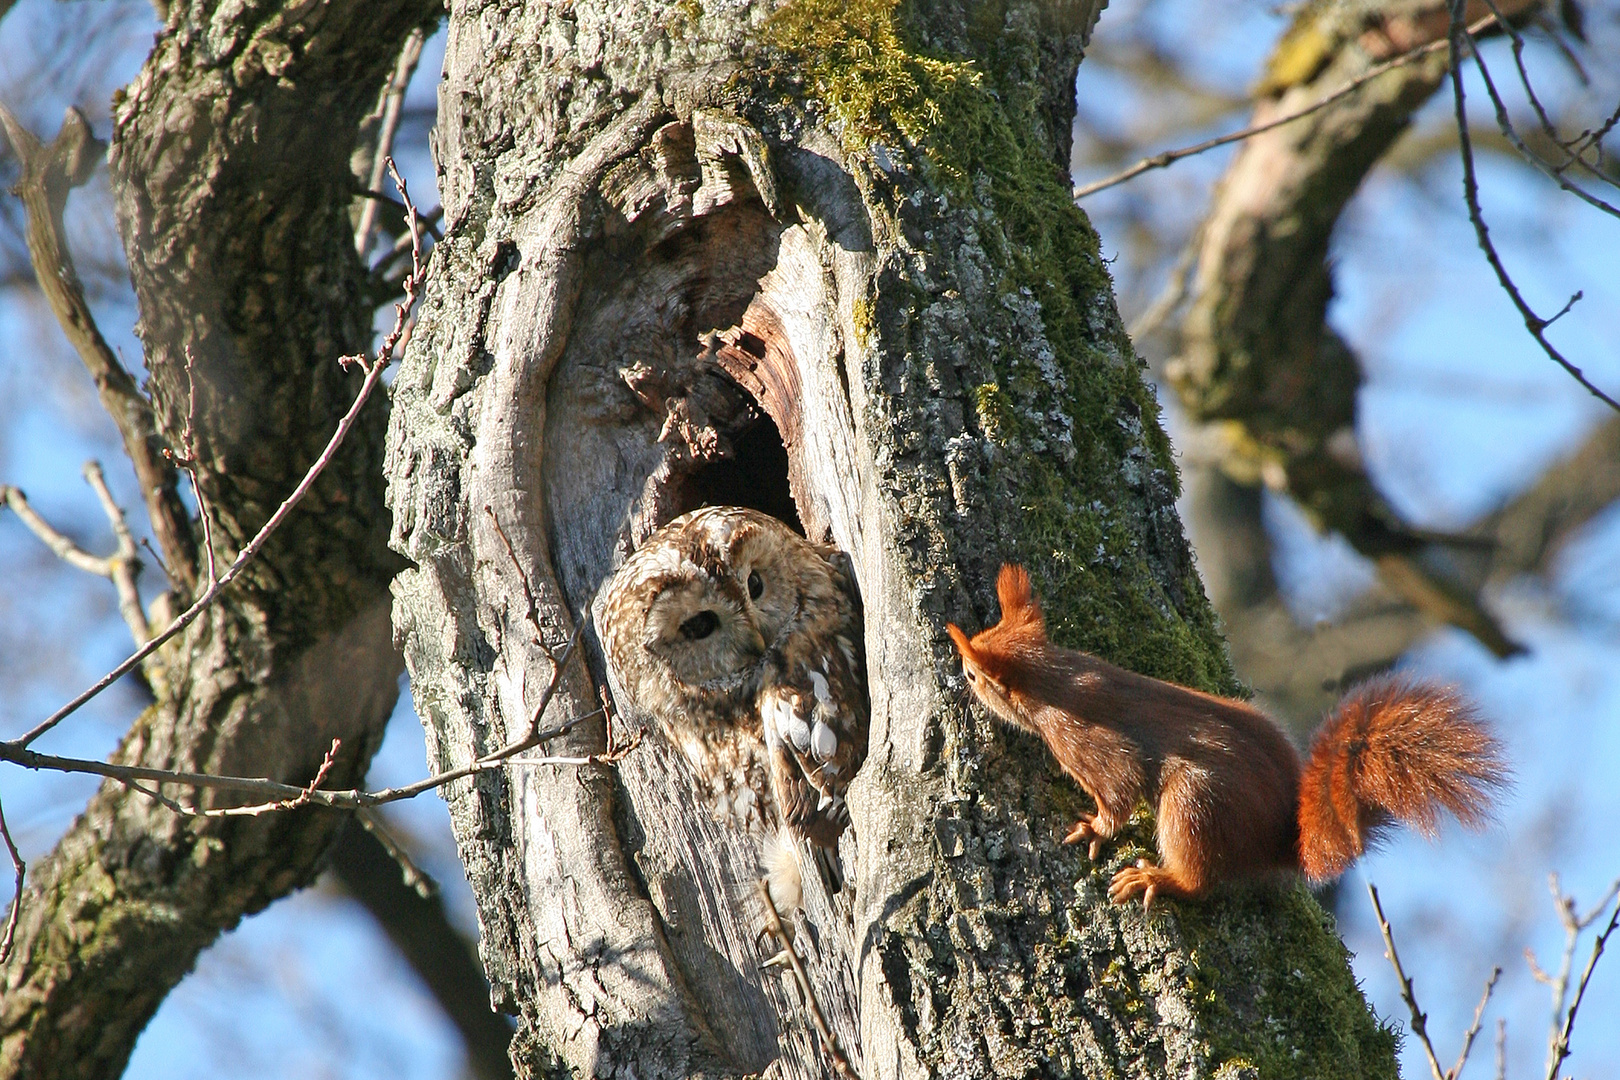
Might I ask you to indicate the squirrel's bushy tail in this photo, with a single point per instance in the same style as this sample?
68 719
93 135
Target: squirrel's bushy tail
1394 749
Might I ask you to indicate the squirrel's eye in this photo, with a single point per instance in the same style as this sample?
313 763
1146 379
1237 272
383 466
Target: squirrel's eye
756 585
700 626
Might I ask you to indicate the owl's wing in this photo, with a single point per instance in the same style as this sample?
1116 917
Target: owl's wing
815 720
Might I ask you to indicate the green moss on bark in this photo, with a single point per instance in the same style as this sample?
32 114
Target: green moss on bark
1065 467
1062 402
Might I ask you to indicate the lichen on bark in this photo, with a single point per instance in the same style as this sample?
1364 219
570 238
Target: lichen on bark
968 396
1027 432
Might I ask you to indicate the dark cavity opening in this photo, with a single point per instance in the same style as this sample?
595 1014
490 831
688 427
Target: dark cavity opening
755 476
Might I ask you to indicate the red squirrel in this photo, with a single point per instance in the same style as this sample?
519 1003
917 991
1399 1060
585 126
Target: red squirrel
1230 796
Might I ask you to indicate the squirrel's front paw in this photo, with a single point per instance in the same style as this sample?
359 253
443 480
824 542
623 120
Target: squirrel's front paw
1086 829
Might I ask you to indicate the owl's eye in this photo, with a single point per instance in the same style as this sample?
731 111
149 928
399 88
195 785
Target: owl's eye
700 626
756 585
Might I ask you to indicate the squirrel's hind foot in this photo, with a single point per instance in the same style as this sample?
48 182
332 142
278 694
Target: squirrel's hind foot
1148 881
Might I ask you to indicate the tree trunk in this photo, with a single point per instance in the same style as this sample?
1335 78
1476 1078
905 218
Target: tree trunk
869 205
234 210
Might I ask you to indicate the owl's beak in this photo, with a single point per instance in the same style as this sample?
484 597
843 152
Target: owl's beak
755 646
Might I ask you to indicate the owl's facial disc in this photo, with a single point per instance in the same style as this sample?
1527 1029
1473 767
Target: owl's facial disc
764 575
704 634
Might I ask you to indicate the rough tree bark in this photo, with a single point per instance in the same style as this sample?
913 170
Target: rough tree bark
868 205
230 158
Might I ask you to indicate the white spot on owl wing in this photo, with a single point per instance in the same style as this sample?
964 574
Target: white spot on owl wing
823 742
823 691
782 720
797 732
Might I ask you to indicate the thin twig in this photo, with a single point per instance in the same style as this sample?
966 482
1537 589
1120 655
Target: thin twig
125 563
60 545
1173 293
373 375
1505 123
393 106
1524 75
1558 986
1559 1050
158 559
21 870
285 796
1501 1049
301 799
1170 157
829 1043
187 463
532 615
1420 1020
416 879
1473 1029
120 568
1534 323
282 796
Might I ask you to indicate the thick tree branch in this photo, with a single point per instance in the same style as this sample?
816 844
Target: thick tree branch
49 174
442 957
1256 359
230 163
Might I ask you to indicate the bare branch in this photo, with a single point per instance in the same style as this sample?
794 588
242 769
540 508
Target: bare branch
416 879
1473 1029
373 375
1556 175
532 615
21 870
1420 1020
1459 36
60 546
125 563
393 103
120 568
1561 1043
1574 923
187 462
289 796
829 1043
1170 157
49 173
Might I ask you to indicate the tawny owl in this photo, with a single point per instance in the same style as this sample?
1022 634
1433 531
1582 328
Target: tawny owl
743 640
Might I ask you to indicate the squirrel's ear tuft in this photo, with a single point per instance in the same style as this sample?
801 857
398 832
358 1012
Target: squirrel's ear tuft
1021 618
963 645
1014 592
